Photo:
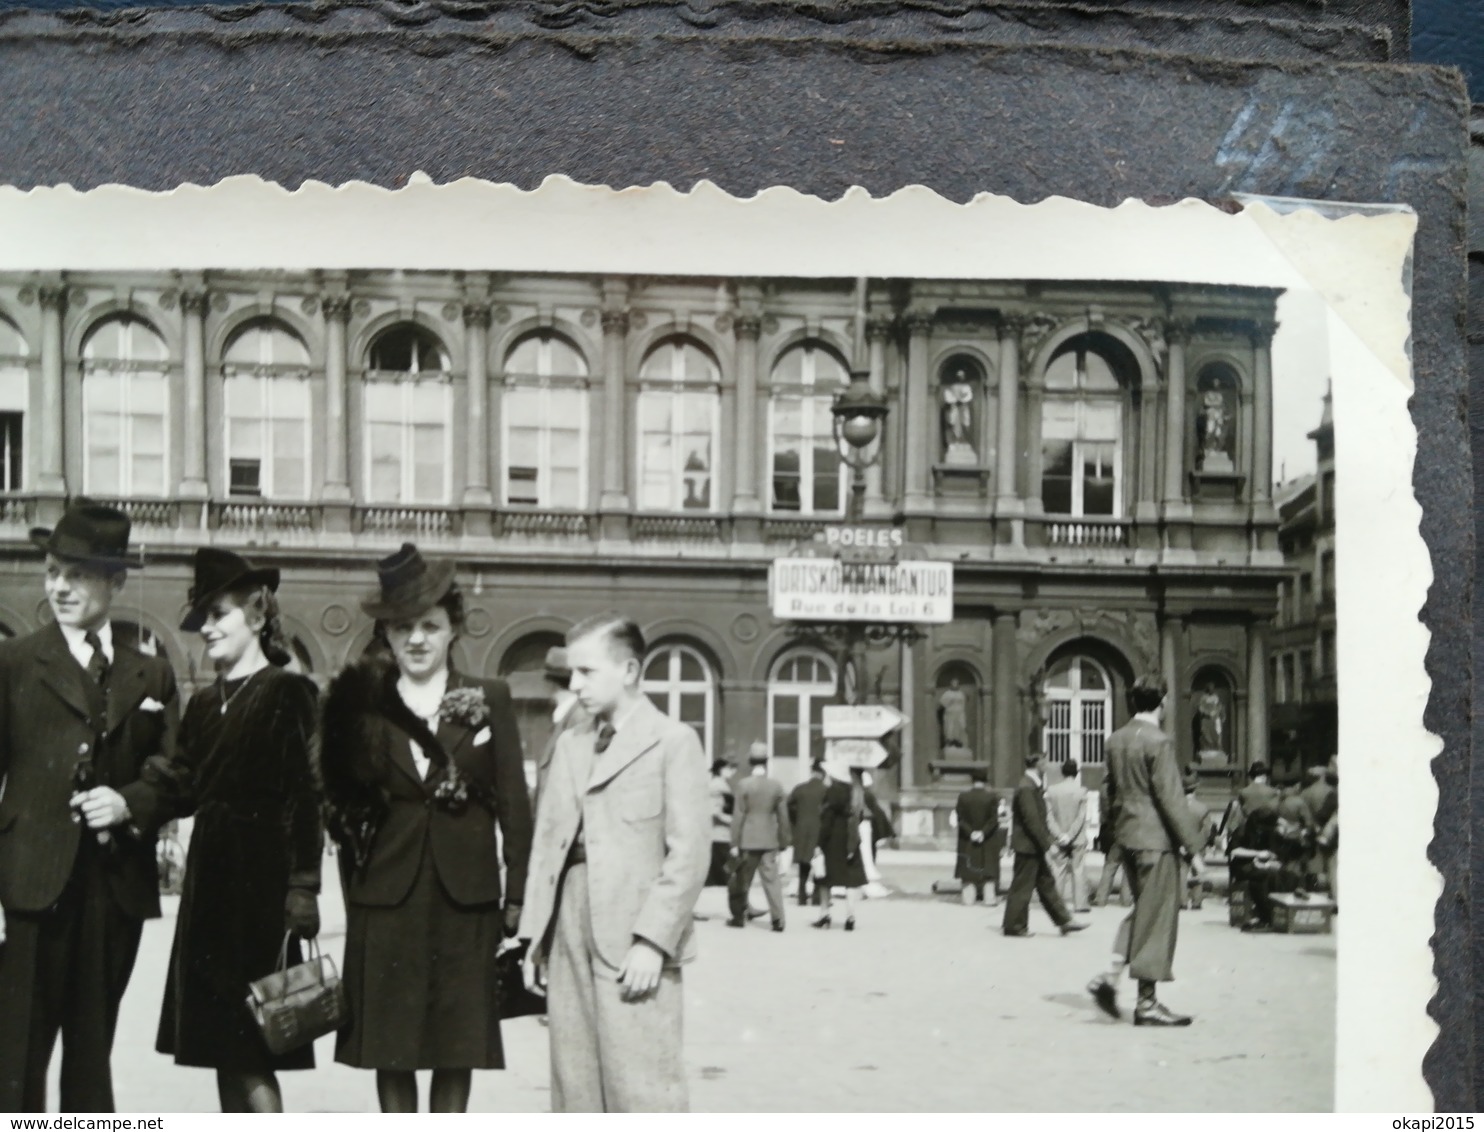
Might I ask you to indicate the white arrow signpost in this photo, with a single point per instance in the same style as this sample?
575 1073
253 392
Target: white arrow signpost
851 732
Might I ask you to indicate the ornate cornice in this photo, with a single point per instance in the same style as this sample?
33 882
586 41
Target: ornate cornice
879 327
918 321
1262 332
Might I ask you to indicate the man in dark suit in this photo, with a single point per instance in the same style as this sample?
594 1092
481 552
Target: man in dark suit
1030 837
759 831
1159 839
87 724
1258 796
803 816
977 812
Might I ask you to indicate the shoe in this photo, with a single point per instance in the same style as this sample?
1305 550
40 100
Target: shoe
1257 927
1021 934
823 922
733 922
755 913
777 925
803 900
1157 1014
1105 994
1074 926
850 923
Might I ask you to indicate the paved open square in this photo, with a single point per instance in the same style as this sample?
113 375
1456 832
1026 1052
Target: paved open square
926 1007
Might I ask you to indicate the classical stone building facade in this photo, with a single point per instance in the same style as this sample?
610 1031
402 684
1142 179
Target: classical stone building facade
1094 459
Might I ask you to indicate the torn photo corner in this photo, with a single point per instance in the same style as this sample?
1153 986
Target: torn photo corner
985 464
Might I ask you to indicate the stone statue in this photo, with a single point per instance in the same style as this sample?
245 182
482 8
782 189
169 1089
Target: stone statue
958 420
1215 432
1211 725
953 716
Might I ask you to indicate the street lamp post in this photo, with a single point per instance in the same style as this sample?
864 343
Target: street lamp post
858 412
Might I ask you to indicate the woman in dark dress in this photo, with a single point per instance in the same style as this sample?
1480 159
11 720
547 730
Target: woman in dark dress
845 805
252 874
420 763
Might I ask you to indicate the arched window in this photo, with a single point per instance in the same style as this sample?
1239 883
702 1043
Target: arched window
15 386
1217 392
680 683
524 668
409 417
544 420
1079 710
801 684
125 404
679 407
265 381
1082 428
805 458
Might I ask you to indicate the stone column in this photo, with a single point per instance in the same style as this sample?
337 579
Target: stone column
51 477
908 735
1172 663
1178 335
918 411
745 497
615 409
477 497
1009 745
193 307
878 329
1035 396
1257 693
1244 439
1148 486
1007 444
1262 425
336 310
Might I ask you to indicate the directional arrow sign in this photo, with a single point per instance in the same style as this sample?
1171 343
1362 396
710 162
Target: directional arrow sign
856 752
861 721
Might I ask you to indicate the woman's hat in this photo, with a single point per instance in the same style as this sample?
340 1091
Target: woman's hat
410 584
219 572
838 769
89 532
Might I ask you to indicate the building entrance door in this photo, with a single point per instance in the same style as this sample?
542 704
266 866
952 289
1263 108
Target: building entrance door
1079 711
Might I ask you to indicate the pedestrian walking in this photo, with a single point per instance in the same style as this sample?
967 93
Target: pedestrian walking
421 763
803 816
1159 841
1066 813
845 807
977 813
721 803
252 874
1032 840
759 830
618 861
87 721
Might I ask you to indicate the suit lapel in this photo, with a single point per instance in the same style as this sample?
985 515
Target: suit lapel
637 735
127 681
61 673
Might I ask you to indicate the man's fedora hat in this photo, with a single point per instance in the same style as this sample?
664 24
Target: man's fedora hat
89 532
410 584
219 572
557 669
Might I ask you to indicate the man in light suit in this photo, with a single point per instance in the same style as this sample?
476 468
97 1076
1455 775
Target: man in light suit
1066 811
86 723
1159 841
619 858
759 831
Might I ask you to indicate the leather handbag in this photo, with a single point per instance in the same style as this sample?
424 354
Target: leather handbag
295 1005
515 1000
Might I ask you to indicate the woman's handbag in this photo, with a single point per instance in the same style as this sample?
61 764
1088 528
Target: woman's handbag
297 1004
515 1000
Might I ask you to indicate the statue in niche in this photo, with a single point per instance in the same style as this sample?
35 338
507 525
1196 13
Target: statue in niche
1213 433
958 419
1210 726
953 719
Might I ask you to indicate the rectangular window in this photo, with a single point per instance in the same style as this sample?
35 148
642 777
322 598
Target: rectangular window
407 441
806 462
124 421
677 436
546 447
1080 458
11 439
267 435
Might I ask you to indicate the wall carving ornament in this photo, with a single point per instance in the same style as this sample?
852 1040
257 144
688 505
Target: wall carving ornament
1137 631
1034 329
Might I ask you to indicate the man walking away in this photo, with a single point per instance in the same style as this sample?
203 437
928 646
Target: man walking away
1157 837
1066 806
759 831
803 816
978 812
1031 839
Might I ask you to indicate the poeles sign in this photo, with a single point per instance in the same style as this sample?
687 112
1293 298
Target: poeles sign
824 589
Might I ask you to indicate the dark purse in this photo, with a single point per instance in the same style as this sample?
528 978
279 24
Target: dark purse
295 1005
515 1000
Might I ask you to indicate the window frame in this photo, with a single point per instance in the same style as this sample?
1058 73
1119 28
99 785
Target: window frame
271 374
125 371
778 689
544 382
407 382
806 393
673 686
677 387
1082 398
1077 698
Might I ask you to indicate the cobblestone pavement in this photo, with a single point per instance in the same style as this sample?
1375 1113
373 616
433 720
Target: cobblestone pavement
926 1007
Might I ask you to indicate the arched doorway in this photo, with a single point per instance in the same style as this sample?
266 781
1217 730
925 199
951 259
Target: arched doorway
523 667
802 682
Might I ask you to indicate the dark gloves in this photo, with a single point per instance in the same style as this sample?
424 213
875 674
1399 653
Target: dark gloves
512 918
301 913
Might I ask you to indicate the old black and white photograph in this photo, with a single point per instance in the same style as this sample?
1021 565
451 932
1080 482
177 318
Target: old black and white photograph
833 688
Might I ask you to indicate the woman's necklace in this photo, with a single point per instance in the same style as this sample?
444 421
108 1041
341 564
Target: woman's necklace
228 697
